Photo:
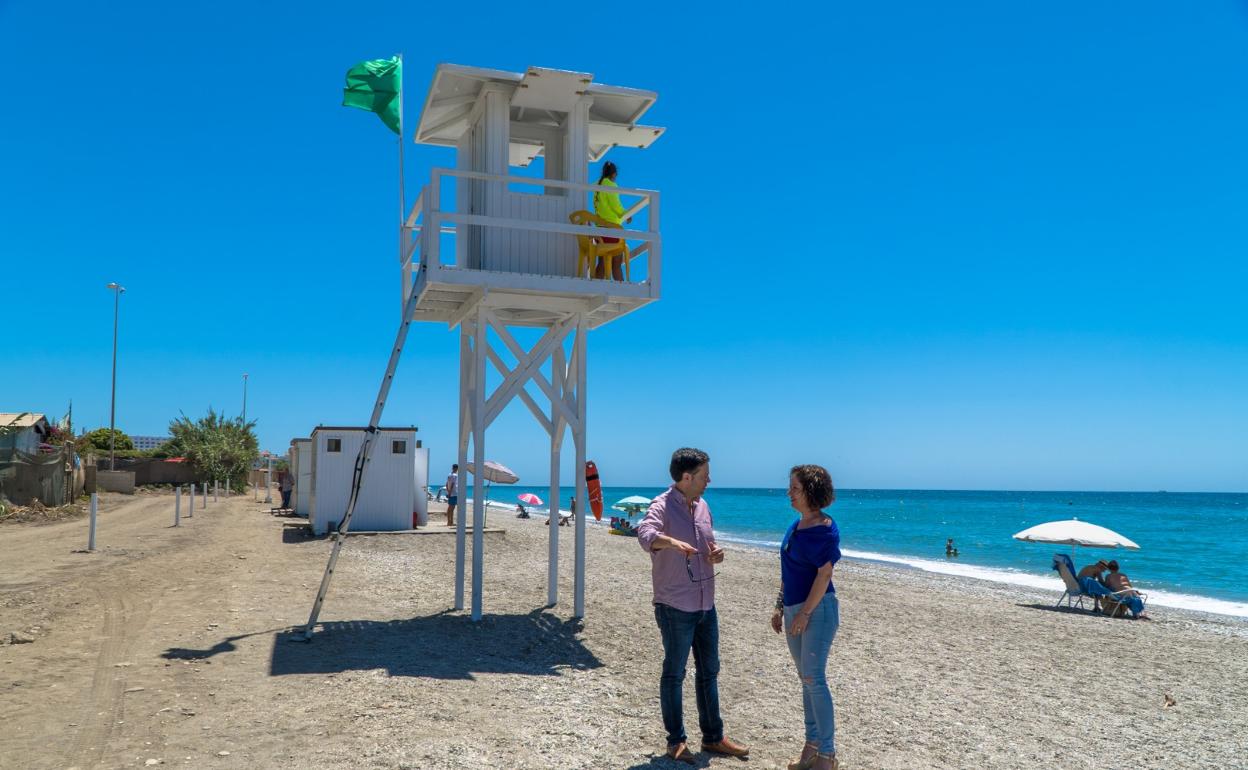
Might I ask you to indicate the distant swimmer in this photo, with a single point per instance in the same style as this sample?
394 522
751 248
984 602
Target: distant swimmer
950 551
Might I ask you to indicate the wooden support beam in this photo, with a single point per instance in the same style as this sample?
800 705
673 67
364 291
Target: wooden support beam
542 420
535 375
527 367
468 307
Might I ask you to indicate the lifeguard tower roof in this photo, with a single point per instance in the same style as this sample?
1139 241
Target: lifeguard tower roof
539 95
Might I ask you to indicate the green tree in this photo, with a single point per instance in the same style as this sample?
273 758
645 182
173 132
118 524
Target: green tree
217 447
97 441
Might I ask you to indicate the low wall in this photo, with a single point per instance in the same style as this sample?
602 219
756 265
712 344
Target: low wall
115 481
155 471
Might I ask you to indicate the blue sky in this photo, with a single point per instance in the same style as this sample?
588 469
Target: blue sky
975 245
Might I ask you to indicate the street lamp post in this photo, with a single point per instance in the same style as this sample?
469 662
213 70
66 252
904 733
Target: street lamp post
118 290
244 398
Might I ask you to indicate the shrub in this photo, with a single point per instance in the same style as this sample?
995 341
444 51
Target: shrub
97 441
216 447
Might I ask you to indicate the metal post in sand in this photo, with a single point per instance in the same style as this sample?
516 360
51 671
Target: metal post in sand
91 531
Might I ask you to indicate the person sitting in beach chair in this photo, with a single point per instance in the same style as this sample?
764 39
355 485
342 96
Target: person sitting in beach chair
1123 596
1078 589
1095 573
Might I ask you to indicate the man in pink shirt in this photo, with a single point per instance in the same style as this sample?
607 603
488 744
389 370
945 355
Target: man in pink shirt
677 533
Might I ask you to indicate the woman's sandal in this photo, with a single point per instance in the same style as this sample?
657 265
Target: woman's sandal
807 760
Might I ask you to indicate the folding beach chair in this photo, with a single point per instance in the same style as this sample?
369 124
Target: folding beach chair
1074 594
1117 604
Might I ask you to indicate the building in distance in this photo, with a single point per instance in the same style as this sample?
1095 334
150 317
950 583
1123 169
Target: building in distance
149 442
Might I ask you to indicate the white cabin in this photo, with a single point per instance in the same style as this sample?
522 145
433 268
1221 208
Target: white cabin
485 231
397 475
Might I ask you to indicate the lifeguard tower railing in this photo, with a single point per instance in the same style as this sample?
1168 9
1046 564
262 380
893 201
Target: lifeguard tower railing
525 260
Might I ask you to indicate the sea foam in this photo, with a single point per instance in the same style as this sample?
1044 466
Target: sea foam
1019 578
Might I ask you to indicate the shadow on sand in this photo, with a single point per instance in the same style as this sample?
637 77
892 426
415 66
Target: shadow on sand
1062 609
299 533
440 646
661 762
225 645
1078 611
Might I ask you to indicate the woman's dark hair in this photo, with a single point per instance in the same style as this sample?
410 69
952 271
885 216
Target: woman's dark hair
816 485
608 171
687 460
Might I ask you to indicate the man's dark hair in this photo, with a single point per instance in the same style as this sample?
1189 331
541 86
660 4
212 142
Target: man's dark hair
816 484
455 466
686 460
1113 565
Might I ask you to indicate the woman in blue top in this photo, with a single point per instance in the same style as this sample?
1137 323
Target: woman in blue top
808 609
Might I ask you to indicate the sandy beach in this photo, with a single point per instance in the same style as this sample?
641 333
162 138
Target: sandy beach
169 647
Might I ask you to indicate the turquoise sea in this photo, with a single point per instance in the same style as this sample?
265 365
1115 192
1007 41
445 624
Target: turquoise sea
1193 546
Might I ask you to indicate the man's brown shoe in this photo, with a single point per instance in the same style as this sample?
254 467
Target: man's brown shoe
727 747
681 753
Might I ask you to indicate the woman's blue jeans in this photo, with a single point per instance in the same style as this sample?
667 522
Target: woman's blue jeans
810 653
681 632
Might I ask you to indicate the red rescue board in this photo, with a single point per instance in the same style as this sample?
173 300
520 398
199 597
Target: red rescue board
595 489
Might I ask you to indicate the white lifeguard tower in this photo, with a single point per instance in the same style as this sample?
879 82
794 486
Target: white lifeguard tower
487 250
500 251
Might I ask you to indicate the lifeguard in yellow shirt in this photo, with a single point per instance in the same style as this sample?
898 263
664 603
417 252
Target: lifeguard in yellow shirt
607 205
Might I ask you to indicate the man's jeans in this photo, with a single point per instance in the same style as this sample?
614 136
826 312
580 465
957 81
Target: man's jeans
810 653
681 632
285 498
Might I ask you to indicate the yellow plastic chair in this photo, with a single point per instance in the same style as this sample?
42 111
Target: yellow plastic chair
592 250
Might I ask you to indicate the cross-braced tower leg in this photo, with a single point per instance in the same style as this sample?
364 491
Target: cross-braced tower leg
479 407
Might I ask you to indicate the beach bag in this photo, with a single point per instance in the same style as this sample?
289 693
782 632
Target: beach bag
1113 608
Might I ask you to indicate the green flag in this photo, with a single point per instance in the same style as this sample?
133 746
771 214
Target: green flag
374 86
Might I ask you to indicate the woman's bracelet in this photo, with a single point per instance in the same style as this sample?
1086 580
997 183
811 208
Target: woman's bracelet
780 600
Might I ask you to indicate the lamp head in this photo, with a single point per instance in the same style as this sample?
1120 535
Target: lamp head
117 287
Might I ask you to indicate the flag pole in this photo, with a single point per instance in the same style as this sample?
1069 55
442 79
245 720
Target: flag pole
402 206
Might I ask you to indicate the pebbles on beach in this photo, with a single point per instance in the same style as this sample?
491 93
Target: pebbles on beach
927 671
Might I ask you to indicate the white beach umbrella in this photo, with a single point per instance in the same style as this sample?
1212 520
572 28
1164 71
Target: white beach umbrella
632 503
1075 532
495 472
